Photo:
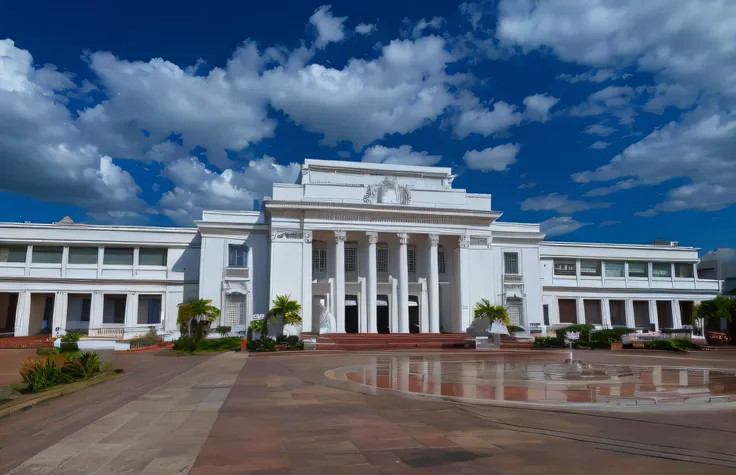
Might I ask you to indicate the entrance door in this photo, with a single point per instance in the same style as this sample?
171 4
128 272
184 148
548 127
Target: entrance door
382 320
413 314
351 314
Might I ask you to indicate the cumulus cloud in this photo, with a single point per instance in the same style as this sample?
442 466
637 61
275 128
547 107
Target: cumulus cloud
526 186
560 225
560 203
419 28
615 100
365 29
402 155
43 155
599 129
492 159
329 28
538 106
198 188
594 75
477 119
599 145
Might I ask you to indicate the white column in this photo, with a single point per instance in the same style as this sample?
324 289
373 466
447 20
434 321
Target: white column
580 303
653 314
97 307
340 280
307 322
60 311
606 313
463 285
676 314
403 284
630 318
23 314
372 283
433 287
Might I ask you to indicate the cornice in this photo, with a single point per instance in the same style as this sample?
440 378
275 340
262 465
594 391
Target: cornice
380 209
95 281
631 290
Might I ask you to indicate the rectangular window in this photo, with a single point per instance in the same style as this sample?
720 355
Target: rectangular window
638 269
237 255
118 256
47 255
564 267
83 255
113 309
351 259
590 268
149 310
661 269
411 259
615 269
13 253
510 262
684 271
152 257
382 260
441 266
319 261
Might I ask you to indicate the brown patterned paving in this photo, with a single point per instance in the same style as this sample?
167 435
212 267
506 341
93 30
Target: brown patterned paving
284 416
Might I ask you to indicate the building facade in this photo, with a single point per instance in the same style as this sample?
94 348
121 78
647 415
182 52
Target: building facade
365 248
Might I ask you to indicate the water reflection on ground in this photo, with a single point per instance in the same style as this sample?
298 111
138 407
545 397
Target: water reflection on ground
575 382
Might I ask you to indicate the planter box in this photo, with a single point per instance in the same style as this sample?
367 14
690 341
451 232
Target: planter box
616 345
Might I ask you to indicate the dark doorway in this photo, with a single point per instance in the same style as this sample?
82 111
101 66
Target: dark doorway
8 306
686 312
664 314
351 314
382 321
545 310
413 314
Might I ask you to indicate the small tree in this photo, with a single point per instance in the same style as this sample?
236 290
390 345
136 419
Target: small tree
494 313
283 306
719 307
195 318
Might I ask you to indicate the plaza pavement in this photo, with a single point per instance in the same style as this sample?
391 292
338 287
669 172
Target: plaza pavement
282 415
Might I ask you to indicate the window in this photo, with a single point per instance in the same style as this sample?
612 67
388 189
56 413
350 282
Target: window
13 253
152 257
684 271
615 269
510 263
661 269
411 259
441 260
47 255
83 255
351 259
564 267
149 310
590 268
237 255
319 260
113 309
118 256
638 269
382 260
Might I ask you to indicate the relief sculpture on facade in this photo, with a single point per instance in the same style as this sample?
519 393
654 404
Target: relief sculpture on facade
389 191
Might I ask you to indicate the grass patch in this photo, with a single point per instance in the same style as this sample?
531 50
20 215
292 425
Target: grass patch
675 344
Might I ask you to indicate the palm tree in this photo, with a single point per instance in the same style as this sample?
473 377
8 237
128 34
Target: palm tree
283 306
719 307
195 318
494 313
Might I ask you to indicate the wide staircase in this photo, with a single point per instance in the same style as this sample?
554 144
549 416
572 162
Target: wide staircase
33 341
403 341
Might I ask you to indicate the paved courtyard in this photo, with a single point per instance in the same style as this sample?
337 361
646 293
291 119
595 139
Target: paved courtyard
301 413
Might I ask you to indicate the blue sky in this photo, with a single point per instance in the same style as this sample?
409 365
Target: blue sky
605 120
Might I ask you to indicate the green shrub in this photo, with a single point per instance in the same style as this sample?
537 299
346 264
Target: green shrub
675 344
149 339
185 343
223 330
291 342
219 344
583 328
40 375
257 325
262 344
85 366
603 338
547 342
47 351
68 347
516 329
71 337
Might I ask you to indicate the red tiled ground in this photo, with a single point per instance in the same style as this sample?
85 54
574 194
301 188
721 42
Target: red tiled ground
10 362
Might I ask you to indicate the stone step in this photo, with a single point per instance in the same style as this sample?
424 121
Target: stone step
33 341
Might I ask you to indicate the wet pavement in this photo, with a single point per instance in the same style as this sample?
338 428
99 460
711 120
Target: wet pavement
570 382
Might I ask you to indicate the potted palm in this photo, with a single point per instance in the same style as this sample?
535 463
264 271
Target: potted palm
287 310
484 310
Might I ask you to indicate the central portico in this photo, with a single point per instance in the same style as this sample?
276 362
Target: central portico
372 248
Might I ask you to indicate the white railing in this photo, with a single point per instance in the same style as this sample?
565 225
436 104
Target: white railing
237 273
513 279
115 332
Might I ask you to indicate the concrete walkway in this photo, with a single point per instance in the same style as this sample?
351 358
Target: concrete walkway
159 433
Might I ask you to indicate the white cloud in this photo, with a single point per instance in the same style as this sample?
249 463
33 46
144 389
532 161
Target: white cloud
526 186
197 188
329 28
607 190
594 75
422 25
599 145
560 203
599 129
560 225
344 154
42 153
538 106
473 12
476 119
493 158
615 100
403 155
365 29
609 222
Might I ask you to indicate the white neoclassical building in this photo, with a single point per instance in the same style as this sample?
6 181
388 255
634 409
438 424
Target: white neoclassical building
367 248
